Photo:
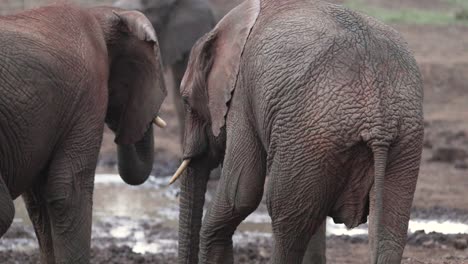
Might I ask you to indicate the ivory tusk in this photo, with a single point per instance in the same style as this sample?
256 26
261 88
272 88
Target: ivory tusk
179 171
160 122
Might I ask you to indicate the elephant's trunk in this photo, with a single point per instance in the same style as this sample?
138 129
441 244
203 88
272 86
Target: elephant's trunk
135 161
192 198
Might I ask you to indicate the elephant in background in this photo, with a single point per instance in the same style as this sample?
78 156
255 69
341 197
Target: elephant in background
179 24
64 72
326 102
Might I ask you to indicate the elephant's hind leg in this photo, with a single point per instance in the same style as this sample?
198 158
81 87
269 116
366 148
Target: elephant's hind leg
7 208
296 200
316 249
399 186
239 193
37 210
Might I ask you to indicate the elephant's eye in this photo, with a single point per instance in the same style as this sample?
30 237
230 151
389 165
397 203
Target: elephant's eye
187 106
185 100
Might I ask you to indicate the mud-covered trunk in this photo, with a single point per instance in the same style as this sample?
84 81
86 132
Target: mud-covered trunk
192 198
135 161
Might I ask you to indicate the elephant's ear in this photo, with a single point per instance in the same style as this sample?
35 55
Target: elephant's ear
136 80
215 59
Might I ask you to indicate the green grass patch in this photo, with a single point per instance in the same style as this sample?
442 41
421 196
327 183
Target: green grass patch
462 9
408 16
459 3
462 15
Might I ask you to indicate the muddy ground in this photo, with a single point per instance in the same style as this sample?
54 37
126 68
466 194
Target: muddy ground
421 248
442 53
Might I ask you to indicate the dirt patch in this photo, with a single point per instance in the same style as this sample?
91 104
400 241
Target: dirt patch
445 45
447 146
357 253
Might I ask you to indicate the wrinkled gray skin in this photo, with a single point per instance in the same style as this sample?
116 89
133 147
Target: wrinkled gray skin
328 104
179 24
64 72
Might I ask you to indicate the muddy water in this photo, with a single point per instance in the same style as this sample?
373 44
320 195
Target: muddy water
127 215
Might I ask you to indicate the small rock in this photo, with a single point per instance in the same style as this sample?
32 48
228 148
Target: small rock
449 257
417 238
427 144
460 244
428 243
357 240
454 137
263 252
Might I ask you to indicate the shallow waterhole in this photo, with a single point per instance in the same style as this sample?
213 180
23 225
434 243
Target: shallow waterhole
128 215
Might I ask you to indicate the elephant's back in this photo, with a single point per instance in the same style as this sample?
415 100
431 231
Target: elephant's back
318 68
46 59
56 39
54 51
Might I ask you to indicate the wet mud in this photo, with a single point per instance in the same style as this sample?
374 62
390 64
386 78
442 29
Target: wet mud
256 249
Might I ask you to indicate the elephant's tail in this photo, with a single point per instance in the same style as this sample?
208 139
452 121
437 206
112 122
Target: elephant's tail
380 151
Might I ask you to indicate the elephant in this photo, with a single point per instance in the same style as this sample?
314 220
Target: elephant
179 24
65 71
323 100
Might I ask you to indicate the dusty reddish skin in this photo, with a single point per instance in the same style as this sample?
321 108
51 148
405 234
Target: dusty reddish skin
327 103
64 72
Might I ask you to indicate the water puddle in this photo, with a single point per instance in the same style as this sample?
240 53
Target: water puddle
145 218
166 246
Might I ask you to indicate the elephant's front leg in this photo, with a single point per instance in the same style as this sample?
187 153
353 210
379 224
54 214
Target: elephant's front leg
37 210
238 194
69 192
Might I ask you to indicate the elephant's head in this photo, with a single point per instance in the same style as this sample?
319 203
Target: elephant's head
206 88
136 88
